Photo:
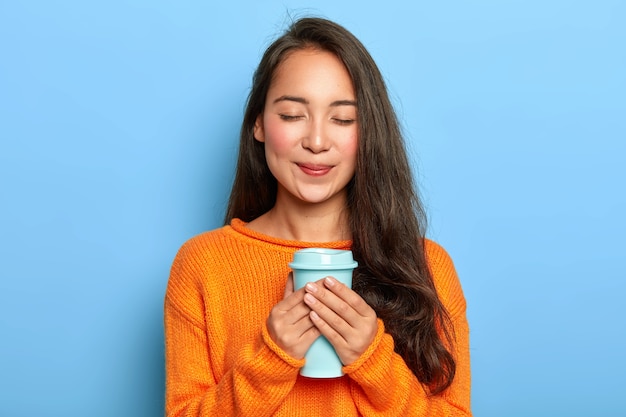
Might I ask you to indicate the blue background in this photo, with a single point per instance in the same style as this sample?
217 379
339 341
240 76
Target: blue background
119 123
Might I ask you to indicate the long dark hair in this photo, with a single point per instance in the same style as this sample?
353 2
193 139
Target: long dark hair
387 219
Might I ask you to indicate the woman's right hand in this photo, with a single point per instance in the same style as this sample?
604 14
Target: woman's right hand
289 323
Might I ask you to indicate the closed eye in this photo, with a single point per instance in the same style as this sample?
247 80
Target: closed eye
344 122
289 118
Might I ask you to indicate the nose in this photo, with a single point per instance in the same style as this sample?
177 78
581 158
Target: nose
316 138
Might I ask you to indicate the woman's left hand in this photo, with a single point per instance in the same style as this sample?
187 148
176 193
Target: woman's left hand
342 316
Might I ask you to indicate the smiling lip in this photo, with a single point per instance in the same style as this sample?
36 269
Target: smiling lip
314 169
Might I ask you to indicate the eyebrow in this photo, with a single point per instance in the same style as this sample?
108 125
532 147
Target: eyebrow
303 100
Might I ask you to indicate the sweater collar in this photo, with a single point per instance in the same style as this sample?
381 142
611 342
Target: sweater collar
241 227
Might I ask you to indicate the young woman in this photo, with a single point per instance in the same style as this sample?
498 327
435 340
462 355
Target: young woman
321 163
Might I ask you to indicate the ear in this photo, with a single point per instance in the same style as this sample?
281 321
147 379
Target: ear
259 131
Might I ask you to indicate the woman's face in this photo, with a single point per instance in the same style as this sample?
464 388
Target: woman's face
309 128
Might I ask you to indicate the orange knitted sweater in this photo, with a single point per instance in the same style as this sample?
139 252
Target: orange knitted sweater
220 360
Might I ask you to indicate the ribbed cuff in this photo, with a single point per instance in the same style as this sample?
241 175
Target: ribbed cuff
368 352
295 363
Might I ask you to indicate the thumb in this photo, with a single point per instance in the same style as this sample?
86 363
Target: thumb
289 285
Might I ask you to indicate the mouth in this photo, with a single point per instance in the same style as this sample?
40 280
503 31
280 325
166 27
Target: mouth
315 170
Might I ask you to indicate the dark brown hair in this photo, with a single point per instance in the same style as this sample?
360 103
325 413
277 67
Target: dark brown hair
386 217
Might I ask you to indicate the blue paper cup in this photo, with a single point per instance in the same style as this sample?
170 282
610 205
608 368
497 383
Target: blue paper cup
310 265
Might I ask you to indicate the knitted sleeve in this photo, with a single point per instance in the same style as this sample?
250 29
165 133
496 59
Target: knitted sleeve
383 385
255 386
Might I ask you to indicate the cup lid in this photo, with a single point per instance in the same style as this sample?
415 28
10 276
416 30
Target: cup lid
322 258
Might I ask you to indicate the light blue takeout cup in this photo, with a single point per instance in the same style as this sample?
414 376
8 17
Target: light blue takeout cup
310 265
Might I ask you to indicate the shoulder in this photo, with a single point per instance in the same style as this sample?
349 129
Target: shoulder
202 242
201 252
445 277
194 261
206 247
437 257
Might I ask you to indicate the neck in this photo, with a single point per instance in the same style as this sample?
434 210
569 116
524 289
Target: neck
320 222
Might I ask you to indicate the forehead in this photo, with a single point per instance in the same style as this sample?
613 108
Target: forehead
313 70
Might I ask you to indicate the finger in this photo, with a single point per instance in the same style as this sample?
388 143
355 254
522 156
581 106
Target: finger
348 295
290 297
334 304
337 339
305 324
331 325
306 338
348 346
293 338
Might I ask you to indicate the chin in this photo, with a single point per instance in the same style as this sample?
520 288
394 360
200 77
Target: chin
320 198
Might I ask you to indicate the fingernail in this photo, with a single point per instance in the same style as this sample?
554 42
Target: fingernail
310 299
311 287
330 281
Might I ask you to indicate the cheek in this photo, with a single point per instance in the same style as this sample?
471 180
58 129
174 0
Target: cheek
351 145
278 135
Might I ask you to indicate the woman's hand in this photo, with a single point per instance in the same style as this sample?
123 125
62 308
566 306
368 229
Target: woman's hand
342 316
289 323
